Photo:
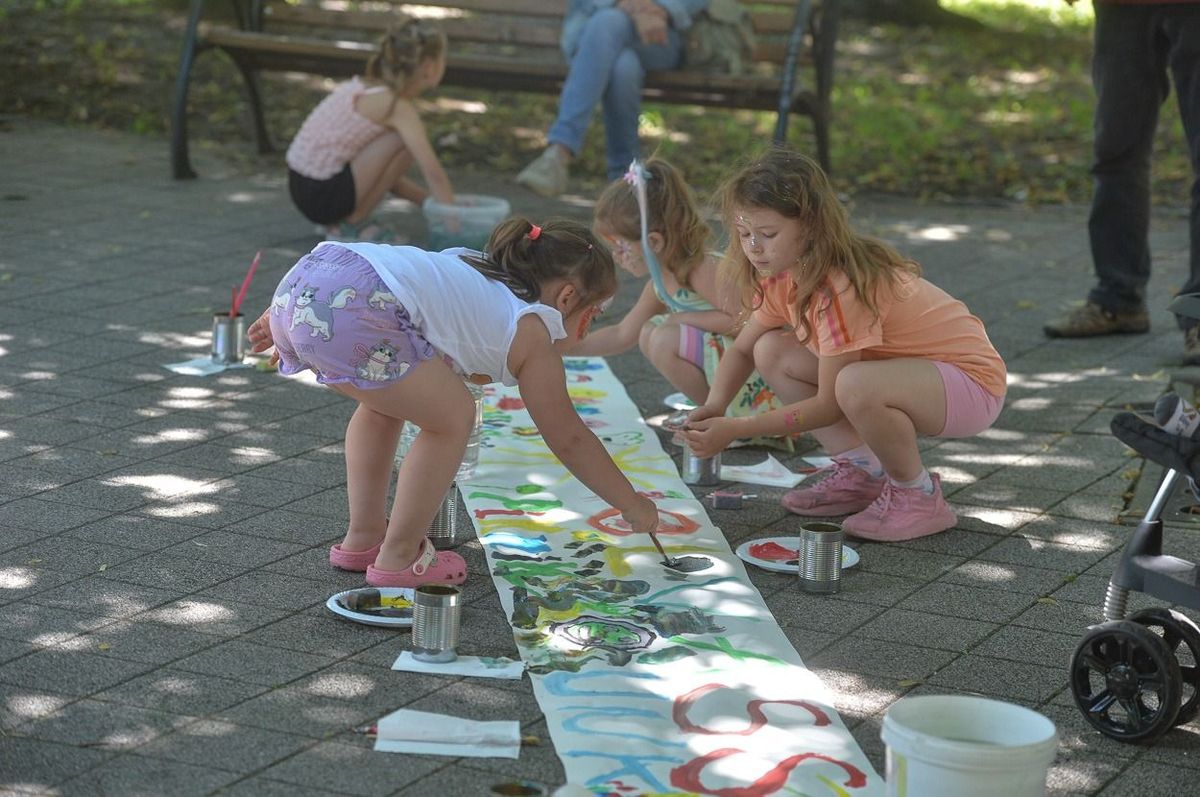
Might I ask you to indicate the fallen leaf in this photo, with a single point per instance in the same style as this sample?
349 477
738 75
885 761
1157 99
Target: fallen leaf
907 683
1047 600
105 646
1025 304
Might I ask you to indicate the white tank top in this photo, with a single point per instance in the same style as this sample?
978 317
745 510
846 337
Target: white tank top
457 309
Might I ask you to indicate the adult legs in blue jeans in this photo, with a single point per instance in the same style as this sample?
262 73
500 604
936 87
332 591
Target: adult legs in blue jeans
1136 47
610 66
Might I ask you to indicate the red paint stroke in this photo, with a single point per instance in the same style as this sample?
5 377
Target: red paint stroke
773 552
610 522
687 777
684 703
510 403
482 513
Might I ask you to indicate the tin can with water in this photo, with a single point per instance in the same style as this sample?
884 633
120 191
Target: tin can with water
442 531
436 609
820 557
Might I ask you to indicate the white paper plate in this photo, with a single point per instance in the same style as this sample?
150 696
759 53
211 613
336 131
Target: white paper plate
849 555
400 594
678 401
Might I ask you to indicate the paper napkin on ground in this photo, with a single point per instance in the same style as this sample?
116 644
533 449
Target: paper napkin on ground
770 472
201 366
483 666
407 731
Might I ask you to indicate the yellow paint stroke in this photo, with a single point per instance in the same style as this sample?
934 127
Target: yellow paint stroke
631 461
837 790
491 525
594 536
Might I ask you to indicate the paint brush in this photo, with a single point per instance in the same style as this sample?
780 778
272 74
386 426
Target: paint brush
667 560
241 294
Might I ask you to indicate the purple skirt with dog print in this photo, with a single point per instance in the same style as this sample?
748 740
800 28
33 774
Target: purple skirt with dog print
333 314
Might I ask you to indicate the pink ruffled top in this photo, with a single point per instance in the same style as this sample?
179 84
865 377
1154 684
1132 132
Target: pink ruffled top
333 133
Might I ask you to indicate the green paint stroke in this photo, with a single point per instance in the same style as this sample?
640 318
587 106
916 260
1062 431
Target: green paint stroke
523 504
722 645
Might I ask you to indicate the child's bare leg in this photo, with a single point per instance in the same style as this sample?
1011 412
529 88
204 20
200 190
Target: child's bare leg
660 344
890 402
371 440
433 398
791 371
377 169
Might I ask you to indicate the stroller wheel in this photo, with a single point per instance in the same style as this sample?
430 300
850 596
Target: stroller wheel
1178 630
1126 681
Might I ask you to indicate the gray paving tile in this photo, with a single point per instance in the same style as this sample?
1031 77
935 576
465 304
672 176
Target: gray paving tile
1007 576
291 526
46 515
994 606
892 660
138 776
135 531
165 571
215 615
1002 678
69 555
352 769
256 664
258 786
207 512
45 626
1142 777
19 582
1081 774
1019 549
1029 645
152 643
272 591
320 631
818 613
927 630
33 762
233 747
104 726
68 462
68 672
898 561
231 548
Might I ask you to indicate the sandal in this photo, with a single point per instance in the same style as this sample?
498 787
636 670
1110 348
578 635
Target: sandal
357 561
431 567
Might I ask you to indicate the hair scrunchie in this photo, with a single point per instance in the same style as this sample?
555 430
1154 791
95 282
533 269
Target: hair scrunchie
534 233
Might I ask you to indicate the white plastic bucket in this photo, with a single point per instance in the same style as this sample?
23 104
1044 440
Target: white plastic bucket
468 222
959 746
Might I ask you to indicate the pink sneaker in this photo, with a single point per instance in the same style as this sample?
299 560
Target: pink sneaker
844 490
900 514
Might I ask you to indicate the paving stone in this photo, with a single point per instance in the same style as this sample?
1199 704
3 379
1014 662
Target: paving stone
995 606
166 571
224 546
320 631
215 615
179 692
892 560
891 660
137 776
818 613
1145 777
291 526
273 591
46 515
68 672
152 643
209 512
69 555
135 531
1019 549
34 763
225 745
927 630
256 664
1001 677
44 626
67 462
259 786
1029 645
104 726
1080 774
1007 576
352 770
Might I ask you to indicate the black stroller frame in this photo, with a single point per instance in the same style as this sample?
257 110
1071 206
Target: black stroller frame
1135 677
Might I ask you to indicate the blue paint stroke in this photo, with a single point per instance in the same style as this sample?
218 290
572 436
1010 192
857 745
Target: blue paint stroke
575 725
630 765
556 683
695 585
507 539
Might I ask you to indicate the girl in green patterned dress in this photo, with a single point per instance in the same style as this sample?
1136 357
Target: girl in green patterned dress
684 332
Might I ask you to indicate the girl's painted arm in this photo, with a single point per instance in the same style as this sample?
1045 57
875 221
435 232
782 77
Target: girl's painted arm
623 335
543 385
816 412
407 122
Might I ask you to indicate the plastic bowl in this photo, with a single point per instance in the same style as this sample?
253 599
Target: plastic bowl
468 222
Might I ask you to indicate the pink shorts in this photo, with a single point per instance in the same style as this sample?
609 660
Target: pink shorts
969 407
691 345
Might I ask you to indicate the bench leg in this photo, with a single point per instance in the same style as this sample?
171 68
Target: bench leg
254 94
181 168
825 30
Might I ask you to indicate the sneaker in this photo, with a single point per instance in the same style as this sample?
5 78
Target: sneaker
1191 346
1091 319
547 175
846 489
902 513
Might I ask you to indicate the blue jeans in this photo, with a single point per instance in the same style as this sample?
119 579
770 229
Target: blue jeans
1137 47
610 66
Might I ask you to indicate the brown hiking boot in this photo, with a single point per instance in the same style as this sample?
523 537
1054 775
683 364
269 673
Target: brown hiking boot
1191 346
1091 319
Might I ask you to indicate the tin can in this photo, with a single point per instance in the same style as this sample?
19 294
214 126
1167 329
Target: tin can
442 531
435 622
701 471
820 557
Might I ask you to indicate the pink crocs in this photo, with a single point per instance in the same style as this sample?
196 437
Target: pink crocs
901 514
358 561
431 567
844 490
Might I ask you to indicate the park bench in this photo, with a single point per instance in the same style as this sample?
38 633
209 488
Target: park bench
506 45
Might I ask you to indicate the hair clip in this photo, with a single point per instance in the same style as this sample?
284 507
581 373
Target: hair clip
635 172
534 233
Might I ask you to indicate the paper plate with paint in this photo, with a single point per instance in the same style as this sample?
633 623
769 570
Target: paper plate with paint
678 401
781 554
390 607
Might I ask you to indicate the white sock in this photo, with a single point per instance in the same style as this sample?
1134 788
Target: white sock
863 458
924 481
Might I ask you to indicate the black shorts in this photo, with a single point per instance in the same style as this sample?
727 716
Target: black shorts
323 201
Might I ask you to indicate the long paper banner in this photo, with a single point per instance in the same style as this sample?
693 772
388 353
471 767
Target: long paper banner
652 681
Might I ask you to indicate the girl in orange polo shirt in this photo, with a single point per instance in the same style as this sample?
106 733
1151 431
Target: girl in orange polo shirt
864 353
